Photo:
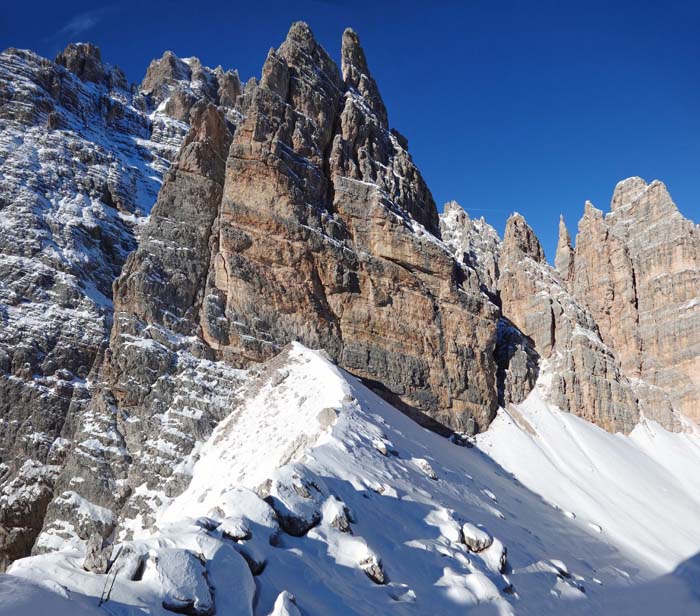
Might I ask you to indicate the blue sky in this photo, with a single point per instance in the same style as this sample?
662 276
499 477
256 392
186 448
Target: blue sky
508 106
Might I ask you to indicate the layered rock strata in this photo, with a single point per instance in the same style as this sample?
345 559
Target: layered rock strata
583 375
81 156
308 222
327 234
637 269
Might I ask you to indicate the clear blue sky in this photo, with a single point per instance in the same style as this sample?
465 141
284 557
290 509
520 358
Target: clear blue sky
508 106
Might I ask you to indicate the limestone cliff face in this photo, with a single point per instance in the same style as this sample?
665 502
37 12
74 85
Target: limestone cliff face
81 157
327 235
292 212
307 220
158 386
637 269
582 373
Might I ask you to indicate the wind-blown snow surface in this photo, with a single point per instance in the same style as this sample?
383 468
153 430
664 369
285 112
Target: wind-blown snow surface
366 512
641 492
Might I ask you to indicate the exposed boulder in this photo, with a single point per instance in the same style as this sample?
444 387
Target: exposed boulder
475 538
97 555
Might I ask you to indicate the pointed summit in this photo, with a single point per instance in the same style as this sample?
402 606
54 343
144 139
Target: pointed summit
164 72
627 191
519 235
308 59
356 75
85 61
564 258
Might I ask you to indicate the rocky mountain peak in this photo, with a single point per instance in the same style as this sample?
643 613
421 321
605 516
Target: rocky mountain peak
178 83
627 191
85 61
356 75
590 213
165 71
564 258
520 236
474 242
637 269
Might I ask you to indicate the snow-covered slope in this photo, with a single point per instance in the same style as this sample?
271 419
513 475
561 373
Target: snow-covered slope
640 492
316 488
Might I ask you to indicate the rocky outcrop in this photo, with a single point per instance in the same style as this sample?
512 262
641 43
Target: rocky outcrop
176 84
309 222
583 374
477 246
159 391
327 235
85 61
564 258
637 269
81 158
474 243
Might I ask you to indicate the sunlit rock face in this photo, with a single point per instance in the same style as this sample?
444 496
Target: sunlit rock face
582 373
327 234
304 221
637 269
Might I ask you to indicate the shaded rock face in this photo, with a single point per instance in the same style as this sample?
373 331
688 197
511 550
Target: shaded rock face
159 391
325 236
81 157
637 269
584 376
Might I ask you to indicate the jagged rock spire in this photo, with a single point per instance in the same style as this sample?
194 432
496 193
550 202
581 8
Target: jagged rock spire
356 75
519 235
564 258
83 59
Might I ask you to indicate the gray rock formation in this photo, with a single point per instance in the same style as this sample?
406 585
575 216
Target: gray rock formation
474 243
564 258
158 389
80 162
174 85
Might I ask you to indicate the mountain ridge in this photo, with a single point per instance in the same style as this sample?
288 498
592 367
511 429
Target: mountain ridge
290 212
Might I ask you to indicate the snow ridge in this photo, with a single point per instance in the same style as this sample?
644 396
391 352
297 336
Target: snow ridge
314 495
